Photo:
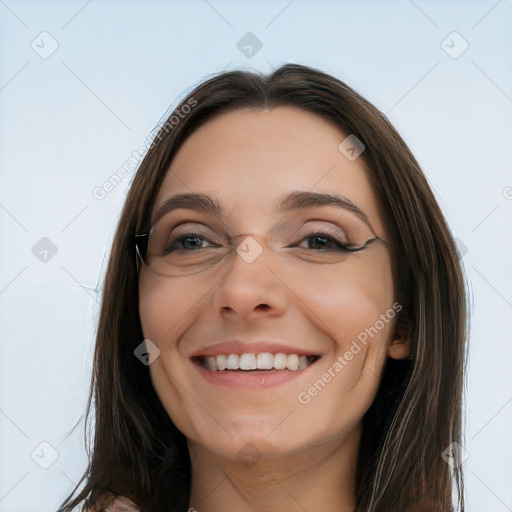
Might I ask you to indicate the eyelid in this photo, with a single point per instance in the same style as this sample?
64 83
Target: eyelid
327 227
330 232
211 228
197 227
327 224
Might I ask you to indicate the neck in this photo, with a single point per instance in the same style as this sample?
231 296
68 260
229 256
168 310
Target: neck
318 479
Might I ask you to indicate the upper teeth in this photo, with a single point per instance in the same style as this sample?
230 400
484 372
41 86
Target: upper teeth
261 361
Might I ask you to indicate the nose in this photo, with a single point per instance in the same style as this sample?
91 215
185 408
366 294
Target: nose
251 287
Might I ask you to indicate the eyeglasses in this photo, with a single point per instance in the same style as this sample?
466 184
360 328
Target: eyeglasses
174 248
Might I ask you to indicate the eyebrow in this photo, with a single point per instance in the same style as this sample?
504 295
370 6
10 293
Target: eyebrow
299 200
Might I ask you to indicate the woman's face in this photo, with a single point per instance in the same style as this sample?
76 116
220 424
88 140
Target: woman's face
302 297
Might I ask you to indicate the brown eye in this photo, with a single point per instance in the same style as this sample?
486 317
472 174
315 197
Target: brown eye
327 239
324 242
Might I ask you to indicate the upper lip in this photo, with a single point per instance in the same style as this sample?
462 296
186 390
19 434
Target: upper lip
253 347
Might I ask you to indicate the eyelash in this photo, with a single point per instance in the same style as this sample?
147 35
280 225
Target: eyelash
171 246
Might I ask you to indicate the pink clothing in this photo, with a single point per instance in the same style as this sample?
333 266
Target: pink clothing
120 504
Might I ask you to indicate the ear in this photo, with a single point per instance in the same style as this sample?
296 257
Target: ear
399 349
400 345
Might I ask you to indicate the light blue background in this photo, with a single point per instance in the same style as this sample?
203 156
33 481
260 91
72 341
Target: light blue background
69 121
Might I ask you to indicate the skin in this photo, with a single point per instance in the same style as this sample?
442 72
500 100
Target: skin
306 453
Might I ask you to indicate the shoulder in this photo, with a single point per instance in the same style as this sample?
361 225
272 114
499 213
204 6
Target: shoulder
120 504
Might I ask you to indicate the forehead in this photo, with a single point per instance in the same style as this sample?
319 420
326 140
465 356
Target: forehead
248 158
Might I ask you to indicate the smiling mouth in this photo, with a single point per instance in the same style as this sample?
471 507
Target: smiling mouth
251 362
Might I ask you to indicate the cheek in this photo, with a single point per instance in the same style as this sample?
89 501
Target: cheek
165 303
355 309
351 299
166 308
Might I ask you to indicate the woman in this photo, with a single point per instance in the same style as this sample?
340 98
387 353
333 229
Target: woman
302 308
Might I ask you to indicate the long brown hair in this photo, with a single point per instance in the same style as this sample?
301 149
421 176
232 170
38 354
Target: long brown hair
137 450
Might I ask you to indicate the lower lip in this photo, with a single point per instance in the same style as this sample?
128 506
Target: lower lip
250 379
